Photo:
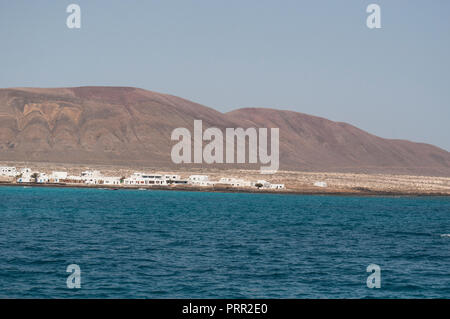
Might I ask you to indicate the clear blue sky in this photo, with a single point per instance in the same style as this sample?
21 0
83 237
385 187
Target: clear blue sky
316 57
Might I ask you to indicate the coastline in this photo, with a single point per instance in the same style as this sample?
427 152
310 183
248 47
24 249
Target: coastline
296 182
319 192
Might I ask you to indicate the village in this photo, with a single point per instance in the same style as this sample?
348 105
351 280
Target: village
137 179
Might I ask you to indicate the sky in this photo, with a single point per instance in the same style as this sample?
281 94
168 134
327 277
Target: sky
316 57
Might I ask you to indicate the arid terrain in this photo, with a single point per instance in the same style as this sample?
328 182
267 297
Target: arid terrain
295 181
130 127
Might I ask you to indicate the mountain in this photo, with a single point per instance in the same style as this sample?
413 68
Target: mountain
130 126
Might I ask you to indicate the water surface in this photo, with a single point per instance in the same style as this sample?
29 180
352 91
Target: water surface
170 244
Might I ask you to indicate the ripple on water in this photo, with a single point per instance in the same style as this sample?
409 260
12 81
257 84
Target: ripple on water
192 245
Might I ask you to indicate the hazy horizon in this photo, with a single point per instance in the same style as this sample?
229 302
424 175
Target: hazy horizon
313 57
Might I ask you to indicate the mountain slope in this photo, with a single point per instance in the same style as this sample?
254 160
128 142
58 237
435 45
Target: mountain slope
129 126
316 143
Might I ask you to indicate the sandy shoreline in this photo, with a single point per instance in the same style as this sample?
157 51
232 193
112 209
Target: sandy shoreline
296 182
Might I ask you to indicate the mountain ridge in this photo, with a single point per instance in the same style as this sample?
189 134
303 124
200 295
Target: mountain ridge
132 126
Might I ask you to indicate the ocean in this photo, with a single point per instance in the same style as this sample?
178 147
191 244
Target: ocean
173 244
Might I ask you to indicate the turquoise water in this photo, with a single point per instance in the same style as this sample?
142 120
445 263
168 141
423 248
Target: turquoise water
167 244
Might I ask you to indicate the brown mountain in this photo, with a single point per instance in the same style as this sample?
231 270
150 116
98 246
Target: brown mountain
130 126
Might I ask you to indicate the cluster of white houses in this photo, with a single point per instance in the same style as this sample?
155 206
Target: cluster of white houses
26 175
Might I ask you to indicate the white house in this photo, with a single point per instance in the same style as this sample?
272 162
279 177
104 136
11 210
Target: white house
234 182
277 186
200 180
75 179
146 179
172 177
320 184
56 177
111 180
93 180
204 183
42 178
25 170
25 178
91 177
25 175
8 171
133 179
90 174
154 179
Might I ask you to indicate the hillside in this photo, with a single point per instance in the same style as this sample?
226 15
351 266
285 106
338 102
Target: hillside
130 126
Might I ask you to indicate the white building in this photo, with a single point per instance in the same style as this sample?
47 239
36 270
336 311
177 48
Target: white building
25 170
42 178
91 177
172 177
146 179
320 184
133 179
154 179
28 177
90 174
234 182
92 180
199 180
277 186
111 180
75 179
8 171
25 178
56 177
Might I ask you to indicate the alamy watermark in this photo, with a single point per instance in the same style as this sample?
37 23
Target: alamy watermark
74 279
213 152
73 21
374 279
373 21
